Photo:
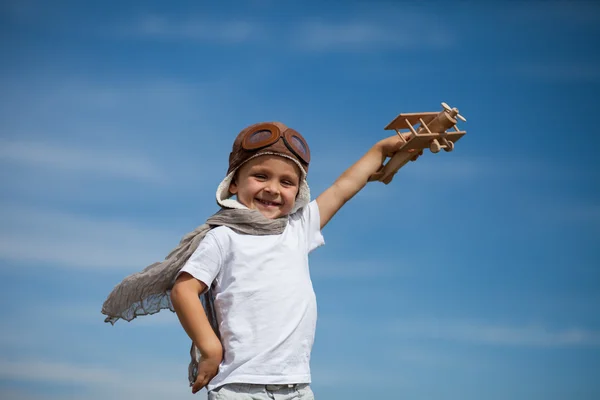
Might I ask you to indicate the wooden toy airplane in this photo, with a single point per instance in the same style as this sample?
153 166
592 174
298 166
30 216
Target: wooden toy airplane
431 133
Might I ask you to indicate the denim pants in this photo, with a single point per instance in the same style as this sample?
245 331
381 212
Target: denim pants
246 391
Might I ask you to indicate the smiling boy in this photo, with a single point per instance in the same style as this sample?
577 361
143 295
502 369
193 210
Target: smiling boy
263 296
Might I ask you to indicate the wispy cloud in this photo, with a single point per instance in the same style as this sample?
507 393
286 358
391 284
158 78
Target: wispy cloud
307 34
449 168
90 314
112 110
80 160
468 331
336 375
535 335
455 167
568 212
120 131
361 35
358 270
56 372
75 241
164 97
578 13
568 71
580 212
96 382
201 29
79 329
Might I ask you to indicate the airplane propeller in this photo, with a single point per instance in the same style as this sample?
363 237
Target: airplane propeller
453 111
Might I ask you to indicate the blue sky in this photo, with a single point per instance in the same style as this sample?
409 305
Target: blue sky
473 275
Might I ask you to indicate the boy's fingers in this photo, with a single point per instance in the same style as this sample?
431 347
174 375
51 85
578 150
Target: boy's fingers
202 381
376 176
199 384
198 387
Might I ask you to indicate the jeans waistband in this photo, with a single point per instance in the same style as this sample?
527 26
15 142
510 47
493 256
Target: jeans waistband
275 388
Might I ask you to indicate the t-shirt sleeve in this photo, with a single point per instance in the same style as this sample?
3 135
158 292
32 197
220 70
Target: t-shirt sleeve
312 225
205 263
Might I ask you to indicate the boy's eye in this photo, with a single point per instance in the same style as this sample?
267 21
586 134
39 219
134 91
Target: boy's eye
260 176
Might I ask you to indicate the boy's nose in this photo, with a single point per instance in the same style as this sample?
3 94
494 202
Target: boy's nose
272 187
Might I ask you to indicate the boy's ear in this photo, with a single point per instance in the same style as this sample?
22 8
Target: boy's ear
233 186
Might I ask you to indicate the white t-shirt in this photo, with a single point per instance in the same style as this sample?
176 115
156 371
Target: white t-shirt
264 299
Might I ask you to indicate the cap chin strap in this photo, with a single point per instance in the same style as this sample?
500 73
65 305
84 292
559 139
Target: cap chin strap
224 196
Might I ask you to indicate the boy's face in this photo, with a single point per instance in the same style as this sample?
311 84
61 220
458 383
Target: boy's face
267 183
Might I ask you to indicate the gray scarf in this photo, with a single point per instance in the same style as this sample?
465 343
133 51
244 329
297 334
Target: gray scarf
148 291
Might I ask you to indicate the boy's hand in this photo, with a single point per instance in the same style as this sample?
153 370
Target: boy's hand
207 369
192 316
390 145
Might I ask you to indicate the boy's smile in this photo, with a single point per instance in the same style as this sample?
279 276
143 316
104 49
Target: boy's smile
267 183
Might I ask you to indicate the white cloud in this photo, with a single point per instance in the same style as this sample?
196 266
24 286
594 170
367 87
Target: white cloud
56 372
13 337
466 331
476 332
116 133
201 29
447 167
140 98
568 71
90 314
80 160
557 12
375 269
111 110
125 382
457 166
571 211
361 35
336 375
309 34
25 394
80 242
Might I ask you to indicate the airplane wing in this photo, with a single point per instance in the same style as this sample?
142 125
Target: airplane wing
413 118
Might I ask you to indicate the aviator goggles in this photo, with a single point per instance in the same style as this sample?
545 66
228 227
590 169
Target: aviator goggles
266 134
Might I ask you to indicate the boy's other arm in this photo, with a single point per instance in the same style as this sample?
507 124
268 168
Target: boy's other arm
192 317
355 178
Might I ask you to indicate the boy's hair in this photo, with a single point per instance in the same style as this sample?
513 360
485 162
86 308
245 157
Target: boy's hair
261 139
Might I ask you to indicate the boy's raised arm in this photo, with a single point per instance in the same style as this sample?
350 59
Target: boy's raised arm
355 178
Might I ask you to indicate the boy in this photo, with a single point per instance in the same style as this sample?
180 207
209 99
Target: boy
263 297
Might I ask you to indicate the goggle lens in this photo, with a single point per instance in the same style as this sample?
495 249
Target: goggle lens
259 137
299 146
